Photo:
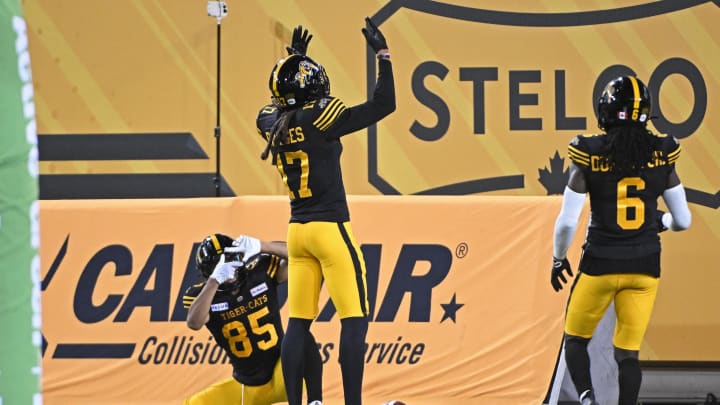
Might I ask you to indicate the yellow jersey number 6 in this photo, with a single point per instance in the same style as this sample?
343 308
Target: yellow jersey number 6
295 159
625 203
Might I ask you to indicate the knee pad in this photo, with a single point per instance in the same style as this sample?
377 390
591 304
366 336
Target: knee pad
352 334
354 326
576 341
624 354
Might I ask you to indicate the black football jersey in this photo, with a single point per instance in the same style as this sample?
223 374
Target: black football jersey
246 321
623 210
309 162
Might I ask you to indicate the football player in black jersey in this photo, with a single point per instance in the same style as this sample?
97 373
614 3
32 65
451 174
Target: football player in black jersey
238 304
624 170
303 127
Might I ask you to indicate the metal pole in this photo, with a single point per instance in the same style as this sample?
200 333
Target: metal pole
219 10
217 177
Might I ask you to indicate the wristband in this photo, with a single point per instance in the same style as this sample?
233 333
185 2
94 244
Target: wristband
385 56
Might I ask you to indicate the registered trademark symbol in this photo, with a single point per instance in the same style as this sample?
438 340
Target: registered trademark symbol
461 250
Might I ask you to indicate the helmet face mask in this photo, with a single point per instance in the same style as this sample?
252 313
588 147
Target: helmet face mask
208 255
624 101
297 79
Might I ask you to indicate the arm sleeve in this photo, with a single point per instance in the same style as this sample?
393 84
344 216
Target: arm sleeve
363 115
566 223
679 217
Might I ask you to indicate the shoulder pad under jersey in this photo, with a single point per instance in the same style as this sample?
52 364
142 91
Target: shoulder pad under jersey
191 293
323 113
265 261
579 151
671 148
265 119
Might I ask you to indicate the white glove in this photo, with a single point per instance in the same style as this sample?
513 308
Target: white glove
224 271
247 245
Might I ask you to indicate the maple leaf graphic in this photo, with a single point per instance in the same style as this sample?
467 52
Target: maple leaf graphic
555 179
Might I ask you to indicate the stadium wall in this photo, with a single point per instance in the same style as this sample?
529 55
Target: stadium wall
461 305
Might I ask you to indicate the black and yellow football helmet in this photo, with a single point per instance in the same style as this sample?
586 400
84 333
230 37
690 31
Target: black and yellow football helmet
297 79
209 251
625 101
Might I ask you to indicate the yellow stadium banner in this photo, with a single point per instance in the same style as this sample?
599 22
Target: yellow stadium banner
488 97
487 104
462 310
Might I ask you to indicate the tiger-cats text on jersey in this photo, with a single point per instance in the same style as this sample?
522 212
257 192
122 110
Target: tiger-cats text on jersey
245 321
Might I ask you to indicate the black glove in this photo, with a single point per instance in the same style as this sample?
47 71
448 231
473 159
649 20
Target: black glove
556 274
373 36
658 219
300 41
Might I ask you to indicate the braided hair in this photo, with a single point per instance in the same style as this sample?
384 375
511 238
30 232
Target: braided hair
632 147
278 133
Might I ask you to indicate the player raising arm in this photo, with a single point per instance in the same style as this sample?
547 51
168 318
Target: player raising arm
303 127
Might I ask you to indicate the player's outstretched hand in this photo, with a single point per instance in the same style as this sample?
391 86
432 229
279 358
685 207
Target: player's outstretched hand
373 36
300 41
557 278
247 245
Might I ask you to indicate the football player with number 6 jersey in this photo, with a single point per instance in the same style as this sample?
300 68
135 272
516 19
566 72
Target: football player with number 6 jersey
625 170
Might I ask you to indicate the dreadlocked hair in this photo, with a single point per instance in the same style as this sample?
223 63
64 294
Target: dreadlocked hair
278 134
632 147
